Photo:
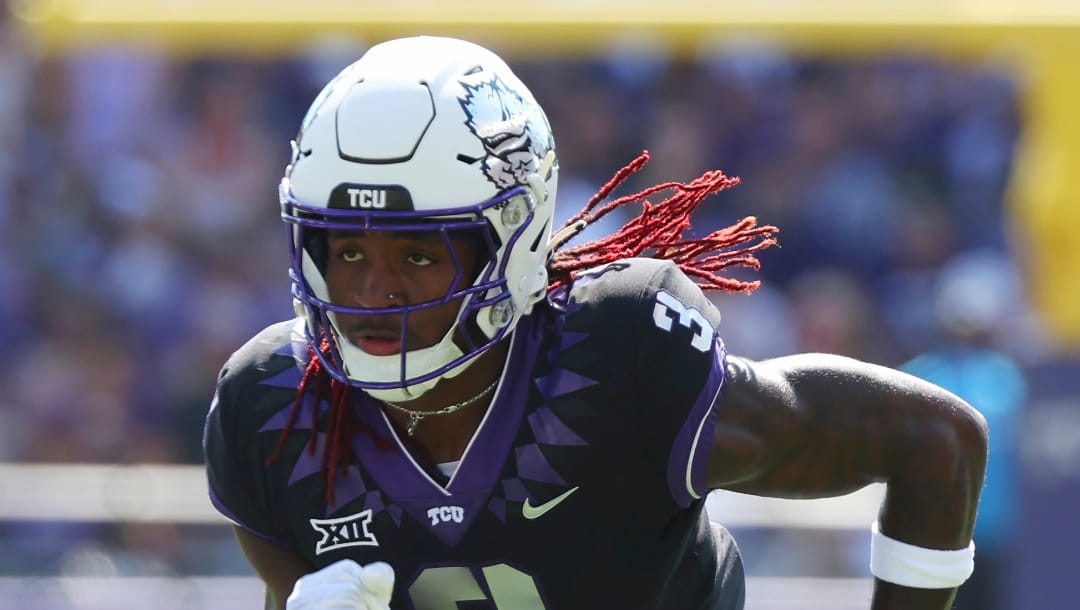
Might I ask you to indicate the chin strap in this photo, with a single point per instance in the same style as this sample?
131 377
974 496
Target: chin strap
538 181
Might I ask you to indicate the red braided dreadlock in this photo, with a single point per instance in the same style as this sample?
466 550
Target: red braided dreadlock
657 231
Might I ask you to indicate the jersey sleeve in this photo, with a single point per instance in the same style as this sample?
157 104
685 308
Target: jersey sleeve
662 332
236 463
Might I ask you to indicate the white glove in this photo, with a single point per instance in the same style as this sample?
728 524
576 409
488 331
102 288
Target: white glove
344 585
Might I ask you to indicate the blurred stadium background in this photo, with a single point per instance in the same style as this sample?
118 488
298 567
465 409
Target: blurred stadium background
922 160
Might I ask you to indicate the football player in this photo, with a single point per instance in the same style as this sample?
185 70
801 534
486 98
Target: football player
467 413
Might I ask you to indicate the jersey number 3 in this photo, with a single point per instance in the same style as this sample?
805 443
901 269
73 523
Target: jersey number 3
669 310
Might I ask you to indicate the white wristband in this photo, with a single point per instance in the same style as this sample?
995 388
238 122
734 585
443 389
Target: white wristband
919 567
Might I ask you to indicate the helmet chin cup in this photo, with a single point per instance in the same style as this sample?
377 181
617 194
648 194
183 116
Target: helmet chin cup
434 134
358 363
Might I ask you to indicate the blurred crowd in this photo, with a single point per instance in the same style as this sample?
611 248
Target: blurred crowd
140 241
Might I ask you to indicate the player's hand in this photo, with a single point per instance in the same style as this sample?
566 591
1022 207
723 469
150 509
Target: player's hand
344 585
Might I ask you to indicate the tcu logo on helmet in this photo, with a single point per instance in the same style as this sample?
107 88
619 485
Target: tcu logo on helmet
367 198
516 136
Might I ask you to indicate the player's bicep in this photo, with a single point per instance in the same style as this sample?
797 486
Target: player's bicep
279 569
813 425
758 424
804 426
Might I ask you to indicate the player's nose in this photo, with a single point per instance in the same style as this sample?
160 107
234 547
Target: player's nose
380 285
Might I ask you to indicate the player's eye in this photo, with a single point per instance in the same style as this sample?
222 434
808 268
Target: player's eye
350 256
420 260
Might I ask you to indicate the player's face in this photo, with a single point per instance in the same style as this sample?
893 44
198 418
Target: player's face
377 269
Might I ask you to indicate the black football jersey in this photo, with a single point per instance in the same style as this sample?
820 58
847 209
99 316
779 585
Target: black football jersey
582 488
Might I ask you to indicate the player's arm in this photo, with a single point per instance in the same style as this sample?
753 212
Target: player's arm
279 569
816 425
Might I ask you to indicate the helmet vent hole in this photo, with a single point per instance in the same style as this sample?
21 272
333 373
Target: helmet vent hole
536 242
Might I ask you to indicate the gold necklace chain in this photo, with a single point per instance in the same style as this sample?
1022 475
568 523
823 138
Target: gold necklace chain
416 416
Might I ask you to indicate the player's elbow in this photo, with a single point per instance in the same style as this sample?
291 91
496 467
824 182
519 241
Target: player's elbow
972 434
956 442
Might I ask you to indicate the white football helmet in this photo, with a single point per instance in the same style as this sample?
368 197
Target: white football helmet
432 134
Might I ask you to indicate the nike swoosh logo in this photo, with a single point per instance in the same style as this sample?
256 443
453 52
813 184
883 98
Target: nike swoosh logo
535 512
